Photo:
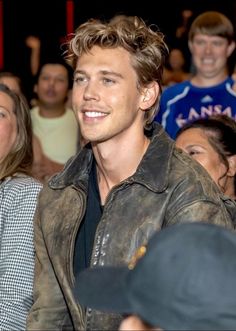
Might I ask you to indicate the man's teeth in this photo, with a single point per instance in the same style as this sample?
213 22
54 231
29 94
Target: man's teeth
94 114
208 61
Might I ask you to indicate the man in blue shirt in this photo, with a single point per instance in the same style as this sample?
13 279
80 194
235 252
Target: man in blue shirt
209 91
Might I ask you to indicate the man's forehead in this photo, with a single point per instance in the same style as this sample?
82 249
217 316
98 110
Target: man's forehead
207 36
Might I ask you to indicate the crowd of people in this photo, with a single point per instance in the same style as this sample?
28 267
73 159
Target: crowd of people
118 182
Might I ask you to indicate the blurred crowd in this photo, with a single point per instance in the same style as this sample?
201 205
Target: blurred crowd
109 152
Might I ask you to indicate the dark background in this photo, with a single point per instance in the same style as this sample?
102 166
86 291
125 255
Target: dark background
47 20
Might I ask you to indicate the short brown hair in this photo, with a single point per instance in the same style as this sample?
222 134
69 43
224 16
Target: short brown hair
212 23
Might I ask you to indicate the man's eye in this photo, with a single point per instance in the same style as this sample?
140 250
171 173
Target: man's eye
191 153
199 42
108 81
79 79
217 43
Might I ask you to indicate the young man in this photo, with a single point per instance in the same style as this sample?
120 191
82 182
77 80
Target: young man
54 125
184 281
127 183
211 42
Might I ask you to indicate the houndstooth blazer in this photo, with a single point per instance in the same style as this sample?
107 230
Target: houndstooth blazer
18 196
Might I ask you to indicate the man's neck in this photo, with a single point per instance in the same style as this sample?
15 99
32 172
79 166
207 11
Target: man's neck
201 81
51 111
117 161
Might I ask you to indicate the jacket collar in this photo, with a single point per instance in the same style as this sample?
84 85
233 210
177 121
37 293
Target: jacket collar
152 172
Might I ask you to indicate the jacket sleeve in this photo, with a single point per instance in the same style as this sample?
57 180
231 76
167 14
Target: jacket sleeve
201 210
17 207
49 310
195 196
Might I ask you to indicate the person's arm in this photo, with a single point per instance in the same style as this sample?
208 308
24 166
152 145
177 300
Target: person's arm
43 167
202 211
193 202
49 310
34 44
17 207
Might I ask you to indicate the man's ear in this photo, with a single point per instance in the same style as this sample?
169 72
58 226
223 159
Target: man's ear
232 166
231 48
149 95
190 45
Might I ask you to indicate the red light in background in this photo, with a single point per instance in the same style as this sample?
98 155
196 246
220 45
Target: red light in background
69 16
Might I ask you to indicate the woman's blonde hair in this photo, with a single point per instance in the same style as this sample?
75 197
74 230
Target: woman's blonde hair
20 158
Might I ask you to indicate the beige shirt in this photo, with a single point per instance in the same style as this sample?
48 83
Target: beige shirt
58 136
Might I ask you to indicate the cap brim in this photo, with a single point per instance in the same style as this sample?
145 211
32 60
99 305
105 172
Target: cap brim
104 288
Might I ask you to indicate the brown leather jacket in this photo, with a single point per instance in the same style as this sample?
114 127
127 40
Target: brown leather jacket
167 188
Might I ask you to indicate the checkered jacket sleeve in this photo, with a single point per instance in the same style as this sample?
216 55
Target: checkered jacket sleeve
18 197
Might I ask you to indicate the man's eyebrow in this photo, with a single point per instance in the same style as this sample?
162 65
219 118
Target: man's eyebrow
79 72
102 72
112 73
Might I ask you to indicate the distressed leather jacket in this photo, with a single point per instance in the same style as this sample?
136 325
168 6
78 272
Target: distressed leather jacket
167 188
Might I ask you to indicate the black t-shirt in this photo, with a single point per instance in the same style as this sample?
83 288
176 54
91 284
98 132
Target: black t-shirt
86 233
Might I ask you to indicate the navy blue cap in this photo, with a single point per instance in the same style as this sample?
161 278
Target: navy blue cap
185 281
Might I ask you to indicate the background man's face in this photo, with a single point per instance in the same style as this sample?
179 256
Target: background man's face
210 54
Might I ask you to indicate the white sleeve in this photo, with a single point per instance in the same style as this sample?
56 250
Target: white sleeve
17 207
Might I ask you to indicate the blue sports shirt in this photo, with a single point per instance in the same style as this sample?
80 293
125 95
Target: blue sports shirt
184 102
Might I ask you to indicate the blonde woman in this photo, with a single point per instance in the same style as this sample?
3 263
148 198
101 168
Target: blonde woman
18 195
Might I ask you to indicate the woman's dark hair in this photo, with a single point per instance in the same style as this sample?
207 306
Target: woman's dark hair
221 133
